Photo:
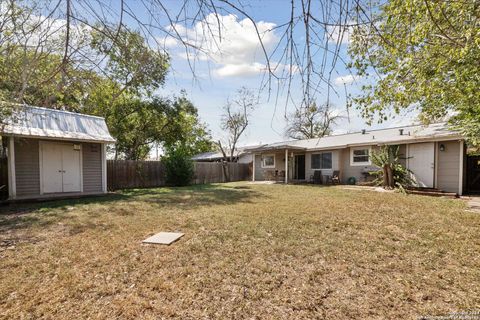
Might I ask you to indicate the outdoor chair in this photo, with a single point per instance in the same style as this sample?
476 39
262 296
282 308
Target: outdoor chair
269 175
336 177
316 178
280 175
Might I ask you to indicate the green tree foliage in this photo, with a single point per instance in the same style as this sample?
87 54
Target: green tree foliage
116 80
392 174
130 62
427 55
138 124
178 165
28 76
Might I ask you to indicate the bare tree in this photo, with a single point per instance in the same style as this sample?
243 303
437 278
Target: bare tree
308 49
235 120
311 122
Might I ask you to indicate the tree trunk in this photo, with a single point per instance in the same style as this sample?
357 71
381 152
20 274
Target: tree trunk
226 172
388 182
391 182
385 176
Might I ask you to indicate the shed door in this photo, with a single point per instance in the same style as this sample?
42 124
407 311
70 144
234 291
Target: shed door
52 168
61 165
71 168
421 161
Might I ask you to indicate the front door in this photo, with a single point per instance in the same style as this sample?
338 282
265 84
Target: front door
299 172
421 161
61 165
473 174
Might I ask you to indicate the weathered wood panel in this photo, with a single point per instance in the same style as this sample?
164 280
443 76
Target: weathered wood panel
92 167
125 174
27 168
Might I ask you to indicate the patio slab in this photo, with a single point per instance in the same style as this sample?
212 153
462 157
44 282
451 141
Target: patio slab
474 204
164 238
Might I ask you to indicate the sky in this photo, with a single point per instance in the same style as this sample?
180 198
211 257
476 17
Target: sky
238 61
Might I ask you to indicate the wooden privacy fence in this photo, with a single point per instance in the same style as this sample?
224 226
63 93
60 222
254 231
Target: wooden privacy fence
125 174
212 172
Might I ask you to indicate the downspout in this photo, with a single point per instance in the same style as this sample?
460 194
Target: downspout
286 166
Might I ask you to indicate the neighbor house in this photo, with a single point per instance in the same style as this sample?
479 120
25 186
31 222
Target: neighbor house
435 155
54 153
240 155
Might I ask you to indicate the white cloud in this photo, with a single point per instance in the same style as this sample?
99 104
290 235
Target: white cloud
232 44
240 70
169 42
345 80
40 32
339 34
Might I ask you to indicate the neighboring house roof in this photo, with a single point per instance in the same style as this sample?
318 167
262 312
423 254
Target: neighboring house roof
36 122
208 156
410 134
218 155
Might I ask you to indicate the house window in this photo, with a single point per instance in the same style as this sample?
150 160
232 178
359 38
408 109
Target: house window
322 160
360 156
268 161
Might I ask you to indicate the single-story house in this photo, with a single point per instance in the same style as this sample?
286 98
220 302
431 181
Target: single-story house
241 156
54 153
435 154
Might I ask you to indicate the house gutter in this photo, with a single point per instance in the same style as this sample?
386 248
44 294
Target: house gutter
373 142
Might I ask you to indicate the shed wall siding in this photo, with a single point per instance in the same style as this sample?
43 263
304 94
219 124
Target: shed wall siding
448 166
27 169
92 167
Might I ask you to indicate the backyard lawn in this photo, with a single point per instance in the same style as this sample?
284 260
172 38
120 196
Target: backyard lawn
249 251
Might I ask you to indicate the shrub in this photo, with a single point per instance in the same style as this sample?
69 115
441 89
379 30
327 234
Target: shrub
391 173
178 166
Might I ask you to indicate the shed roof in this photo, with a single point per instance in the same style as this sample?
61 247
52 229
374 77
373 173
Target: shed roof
36 122
412 133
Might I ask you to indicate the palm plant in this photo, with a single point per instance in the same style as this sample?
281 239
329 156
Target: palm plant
391 174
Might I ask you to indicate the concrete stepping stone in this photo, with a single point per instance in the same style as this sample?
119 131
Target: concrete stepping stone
164 238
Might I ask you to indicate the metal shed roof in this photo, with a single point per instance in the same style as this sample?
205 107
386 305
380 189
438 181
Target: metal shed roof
412 133
36 122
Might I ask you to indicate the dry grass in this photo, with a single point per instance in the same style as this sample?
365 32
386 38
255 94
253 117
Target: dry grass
250 251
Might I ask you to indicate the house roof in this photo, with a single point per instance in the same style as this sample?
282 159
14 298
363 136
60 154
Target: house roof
217 155
412 133
208 156
36 122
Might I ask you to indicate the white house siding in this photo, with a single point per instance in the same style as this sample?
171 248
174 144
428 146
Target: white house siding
448 166
258 169
27 167
336 154
245 158
403 155
260 173
347 170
